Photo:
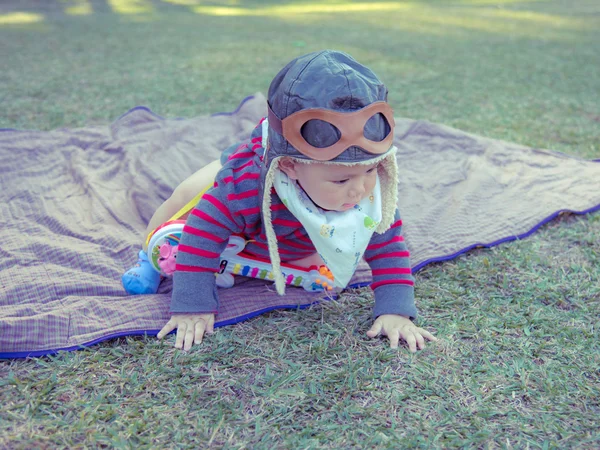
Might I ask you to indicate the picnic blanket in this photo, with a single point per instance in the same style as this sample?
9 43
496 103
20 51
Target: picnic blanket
74 204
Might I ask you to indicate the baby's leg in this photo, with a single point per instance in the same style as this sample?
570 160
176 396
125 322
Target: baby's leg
142 278
182 194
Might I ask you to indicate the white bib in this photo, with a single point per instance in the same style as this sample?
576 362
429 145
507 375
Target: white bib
340 237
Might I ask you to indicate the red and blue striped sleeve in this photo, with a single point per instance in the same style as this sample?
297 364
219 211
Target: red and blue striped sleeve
224 210
393 283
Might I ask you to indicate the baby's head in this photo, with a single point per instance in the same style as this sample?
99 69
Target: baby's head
325 106
329 127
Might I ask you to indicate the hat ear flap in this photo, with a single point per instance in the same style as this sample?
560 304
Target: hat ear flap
387 171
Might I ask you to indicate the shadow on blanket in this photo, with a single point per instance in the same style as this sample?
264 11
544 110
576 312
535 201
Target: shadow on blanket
75 202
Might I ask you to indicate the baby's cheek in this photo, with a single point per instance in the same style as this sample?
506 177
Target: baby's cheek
371 185
339 195
335 200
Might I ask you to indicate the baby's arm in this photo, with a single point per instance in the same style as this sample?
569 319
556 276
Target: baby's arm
205 235
393 286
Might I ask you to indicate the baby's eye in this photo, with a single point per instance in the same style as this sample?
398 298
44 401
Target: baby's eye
372 169
340 181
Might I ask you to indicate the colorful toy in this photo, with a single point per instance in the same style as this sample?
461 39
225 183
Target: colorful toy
162 252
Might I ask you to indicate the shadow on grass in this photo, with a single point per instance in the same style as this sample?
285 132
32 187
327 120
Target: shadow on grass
526 19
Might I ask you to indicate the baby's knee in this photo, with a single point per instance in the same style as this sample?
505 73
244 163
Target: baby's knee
193 185
183 193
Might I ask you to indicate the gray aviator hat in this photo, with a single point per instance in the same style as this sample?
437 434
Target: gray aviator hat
331 80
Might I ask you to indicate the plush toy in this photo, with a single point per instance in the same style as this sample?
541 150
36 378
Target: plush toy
167 257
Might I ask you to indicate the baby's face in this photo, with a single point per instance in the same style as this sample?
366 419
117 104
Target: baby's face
335 187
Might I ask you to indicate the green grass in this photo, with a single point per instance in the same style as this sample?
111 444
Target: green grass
517 366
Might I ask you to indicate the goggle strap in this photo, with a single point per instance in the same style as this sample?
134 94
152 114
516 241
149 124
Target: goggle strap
274 121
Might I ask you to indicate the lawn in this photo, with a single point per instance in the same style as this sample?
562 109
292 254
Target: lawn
518 362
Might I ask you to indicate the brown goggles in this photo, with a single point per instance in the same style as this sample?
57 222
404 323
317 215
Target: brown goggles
350 124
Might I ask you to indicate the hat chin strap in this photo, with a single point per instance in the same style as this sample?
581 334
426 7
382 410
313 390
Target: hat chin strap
269 231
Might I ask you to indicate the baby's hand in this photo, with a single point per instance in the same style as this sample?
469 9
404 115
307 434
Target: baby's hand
394 326
190 328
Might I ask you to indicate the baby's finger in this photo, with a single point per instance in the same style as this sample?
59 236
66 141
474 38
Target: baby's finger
199 331
210 328
375 329
420 340
409 337
170 326
427 334
188 340
180 335
394 337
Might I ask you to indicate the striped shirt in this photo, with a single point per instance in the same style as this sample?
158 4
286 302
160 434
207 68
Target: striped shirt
233 207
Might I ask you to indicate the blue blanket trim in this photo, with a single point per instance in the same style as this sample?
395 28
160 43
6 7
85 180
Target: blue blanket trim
262 311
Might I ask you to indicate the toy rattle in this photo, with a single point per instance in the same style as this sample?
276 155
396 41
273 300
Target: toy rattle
162 251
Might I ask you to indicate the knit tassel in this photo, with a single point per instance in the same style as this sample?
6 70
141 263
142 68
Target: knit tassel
271 237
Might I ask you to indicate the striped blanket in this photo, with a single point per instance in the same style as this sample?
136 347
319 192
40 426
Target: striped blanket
74 204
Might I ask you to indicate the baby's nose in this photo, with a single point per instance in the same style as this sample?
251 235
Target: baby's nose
357 191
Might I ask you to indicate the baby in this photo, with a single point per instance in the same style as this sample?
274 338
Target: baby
316 184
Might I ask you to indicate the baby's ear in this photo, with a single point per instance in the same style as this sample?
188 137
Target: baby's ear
288 166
